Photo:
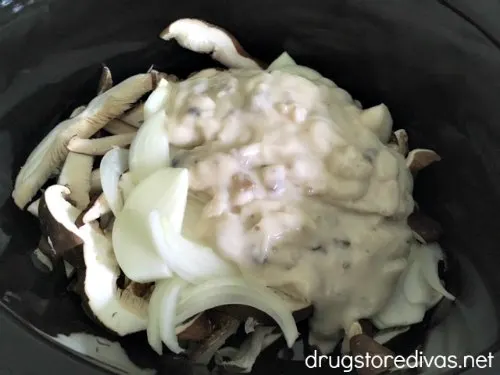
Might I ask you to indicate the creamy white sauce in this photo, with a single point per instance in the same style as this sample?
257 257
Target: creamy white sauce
301 193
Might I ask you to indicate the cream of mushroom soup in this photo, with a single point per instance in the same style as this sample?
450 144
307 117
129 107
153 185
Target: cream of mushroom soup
300 192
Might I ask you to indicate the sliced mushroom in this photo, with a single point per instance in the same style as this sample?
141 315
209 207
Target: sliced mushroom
135 116
203 37
241 360
158 76
226 326
50 154
95 181
100 146
46 248
399 141
361 345
57 220
420 158
196 329
76 174
243 312
354 330
106 222
120 311
117 127
77 111
425 229
41 261
95 211
106 80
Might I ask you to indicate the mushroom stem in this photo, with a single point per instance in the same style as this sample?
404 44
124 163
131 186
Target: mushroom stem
75 174
100 146
95 181
50 154
96 210
134 117
203 37
106 81
77 111
119 127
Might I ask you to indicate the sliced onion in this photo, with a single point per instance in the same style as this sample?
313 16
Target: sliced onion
192 262
149 151
153 329
168 305
113 165
429 259
191 228
233 290
134 248
399 312
166 191
415 287
158 99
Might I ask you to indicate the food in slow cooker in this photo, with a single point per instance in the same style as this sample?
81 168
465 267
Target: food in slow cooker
265 187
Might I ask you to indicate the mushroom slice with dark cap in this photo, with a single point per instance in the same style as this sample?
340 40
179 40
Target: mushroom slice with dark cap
203 37
300 310
97 208
425 229
353 330
361 345
399 142
242 359
420 158
57 219
225 327
121 311
105 81
50 154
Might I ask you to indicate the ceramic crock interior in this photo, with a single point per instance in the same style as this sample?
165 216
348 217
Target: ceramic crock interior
427 63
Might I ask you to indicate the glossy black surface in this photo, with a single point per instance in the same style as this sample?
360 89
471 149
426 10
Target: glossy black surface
434 65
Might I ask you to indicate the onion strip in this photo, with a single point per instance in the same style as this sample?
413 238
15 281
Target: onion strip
113 165
134 249
157 100
149 150
153 329
170 296
430 256
233 290
165 190
192 262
